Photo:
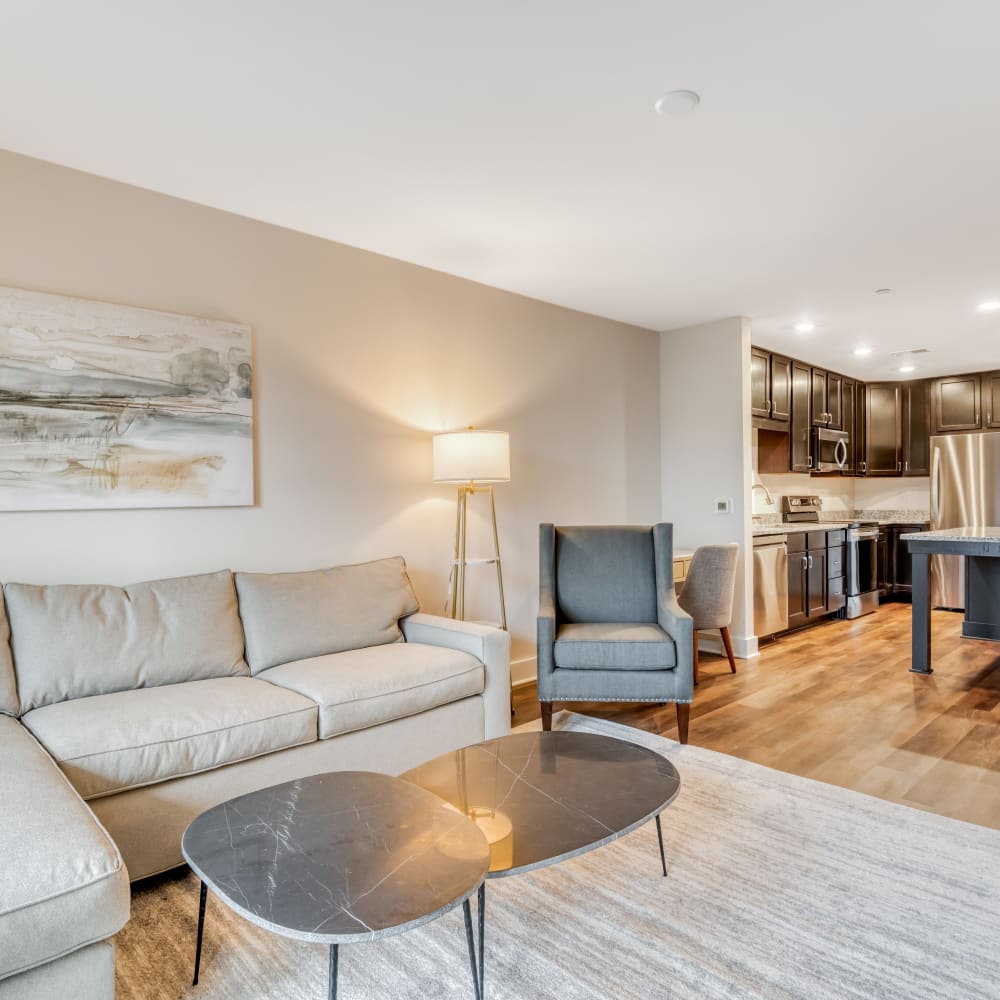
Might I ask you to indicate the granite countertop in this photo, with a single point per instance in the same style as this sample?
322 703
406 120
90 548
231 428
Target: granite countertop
770 524
795 529
975 533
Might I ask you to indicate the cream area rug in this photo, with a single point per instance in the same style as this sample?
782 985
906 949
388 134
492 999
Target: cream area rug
778 887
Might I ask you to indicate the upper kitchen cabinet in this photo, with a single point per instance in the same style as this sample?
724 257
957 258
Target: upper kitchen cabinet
770 386
991 397
781 389
956 404
760 383
800 427
848 406
827 399
916 443
883 429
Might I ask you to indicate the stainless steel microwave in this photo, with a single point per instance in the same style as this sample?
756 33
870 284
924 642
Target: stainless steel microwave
829 450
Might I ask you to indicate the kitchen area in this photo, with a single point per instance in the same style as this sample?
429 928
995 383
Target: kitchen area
846 472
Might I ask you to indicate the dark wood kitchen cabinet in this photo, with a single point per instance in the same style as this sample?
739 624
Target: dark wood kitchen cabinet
827 399
849 412
781 388
883 429
899 555
760 383
800 428
815 575
916 443
956 404
770 385
991 401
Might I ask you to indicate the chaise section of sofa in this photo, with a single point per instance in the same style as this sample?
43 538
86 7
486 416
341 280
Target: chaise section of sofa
63 887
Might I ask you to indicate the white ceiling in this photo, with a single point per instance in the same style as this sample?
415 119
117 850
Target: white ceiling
839 147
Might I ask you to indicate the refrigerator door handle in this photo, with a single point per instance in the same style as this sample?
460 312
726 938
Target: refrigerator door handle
935 488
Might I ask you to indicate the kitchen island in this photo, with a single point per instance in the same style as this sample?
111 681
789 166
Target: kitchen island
981 548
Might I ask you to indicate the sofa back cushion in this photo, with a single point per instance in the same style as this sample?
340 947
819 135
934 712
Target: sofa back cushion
8 686
72 641
292 616
605 574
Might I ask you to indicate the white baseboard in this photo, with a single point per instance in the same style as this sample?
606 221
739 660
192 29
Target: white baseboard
523 671
744 646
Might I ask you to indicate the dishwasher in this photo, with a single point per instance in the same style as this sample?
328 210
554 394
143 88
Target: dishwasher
770 584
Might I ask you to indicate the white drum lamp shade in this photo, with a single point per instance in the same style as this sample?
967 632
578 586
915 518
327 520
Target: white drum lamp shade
472 456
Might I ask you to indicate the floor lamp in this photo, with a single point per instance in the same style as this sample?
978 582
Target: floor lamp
473 460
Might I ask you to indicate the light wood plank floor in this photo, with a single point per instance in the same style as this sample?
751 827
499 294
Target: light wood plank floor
837 703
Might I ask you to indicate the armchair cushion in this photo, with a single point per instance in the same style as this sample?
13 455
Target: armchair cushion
614 646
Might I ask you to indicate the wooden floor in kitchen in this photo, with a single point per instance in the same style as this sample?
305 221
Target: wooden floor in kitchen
837 703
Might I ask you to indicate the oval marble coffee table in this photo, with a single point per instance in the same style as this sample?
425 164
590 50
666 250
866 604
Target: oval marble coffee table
544 797
338 858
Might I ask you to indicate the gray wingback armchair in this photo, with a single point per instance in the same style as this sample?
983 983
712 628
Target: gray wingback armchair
609 625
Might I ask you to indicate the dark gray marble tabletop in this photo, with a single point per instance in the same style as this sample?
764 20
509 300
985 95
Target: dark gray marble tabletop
543 797
340 857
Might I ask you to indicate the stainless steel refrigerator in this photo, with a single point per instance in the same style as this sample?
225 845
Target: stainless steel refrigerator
965 490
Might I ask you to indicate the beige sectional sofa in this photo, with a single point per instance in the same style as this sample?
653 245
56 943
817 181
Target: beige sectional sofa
125 712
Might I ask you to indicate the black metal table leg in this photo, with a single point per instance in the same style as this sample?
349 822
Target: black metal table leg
201 931
663 856
481 907
472 947
334 963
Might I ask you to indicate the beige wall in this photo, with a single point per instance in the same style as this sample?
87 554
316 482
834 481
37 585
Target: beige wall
359 358
706 452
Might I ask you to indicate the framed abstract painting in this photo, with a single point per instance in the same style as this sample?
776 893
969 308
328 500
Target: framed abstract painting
108 406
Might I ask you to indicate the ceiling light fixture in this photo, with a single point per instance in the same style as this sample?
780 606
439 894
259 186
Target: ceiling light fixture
906 369
677 103
987 307
862 352
805 327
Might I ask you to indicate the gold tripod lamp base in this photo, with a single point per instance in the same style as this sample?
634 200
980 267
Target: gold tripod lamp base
472 459
461 562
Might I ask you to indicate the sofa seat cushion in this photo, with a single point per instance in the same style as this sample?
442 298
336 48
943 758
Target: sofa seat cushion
111 742
62 881
364 687
614 646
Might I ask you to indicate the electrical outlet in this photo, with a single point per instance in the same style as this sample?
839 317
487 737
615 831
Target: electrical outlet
724 506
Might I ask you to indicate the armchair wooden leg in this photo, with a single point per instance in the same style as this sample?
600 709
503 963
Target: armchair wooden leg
729 649
547 716
683 715
695 634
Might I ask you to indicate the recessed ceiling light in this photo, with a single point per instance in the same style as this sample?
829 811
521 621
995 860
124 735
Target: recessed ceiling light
989 306
862 352
805 327
906 369
677 102
883 291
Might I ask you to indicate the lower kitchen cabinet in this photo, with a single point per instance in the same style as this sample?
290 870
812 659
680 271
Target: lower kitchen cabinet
815 575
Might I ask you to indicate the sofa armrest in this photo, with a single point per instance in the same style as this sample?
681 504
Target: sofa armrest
487 644
679 625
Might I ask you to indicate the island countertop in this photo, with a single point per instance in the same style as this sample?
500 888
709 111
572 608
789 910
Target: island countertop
973 540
